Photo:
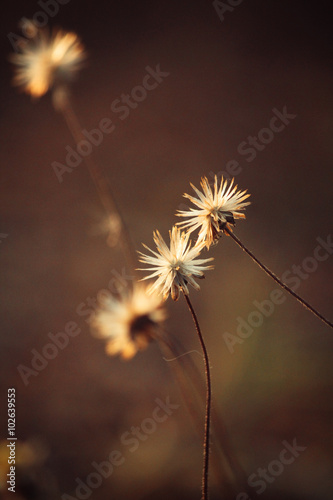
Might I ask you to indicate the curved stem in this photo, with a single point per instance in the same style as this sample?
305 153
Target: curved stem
221 439
208 402
118 232
193 403
277 280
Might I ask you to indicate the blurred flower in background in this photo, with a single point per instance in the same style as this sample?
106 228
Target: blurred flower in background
130 322
32 478
46 59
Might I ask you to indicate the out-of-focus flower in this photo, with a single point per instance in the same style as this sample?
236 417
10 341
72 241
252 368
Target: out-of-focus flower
128 322
175 267
217 209
28 454
47 59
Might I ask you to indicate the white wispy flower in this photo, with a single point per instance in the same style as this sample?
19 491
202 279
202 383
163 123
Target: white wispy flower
45 60
217 209
128 322
174 267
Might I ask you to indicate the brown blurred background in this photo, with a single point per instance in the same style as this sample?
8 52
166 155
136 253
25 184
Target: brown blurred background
225 79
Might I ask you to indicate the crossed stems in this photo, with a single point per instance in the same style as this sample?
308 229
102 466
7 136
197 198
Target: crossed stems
222 443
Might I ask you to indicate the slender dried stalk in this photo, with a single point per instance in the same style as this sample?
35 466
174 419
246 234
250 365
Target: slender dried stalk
220 437
277 280
118 232
208 402
193 403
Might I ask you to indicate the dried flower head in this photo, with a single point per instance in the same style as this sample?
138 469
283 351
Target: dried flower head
128 322
217 209
175 267
45 60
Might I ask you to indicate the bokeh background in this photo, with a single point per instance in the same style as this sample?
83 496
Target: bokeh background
225 79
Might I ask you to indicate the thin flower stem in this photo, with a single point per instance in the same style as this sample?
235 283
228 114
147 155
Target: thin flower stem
193 403
118 232
277 280
208 402
220 437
